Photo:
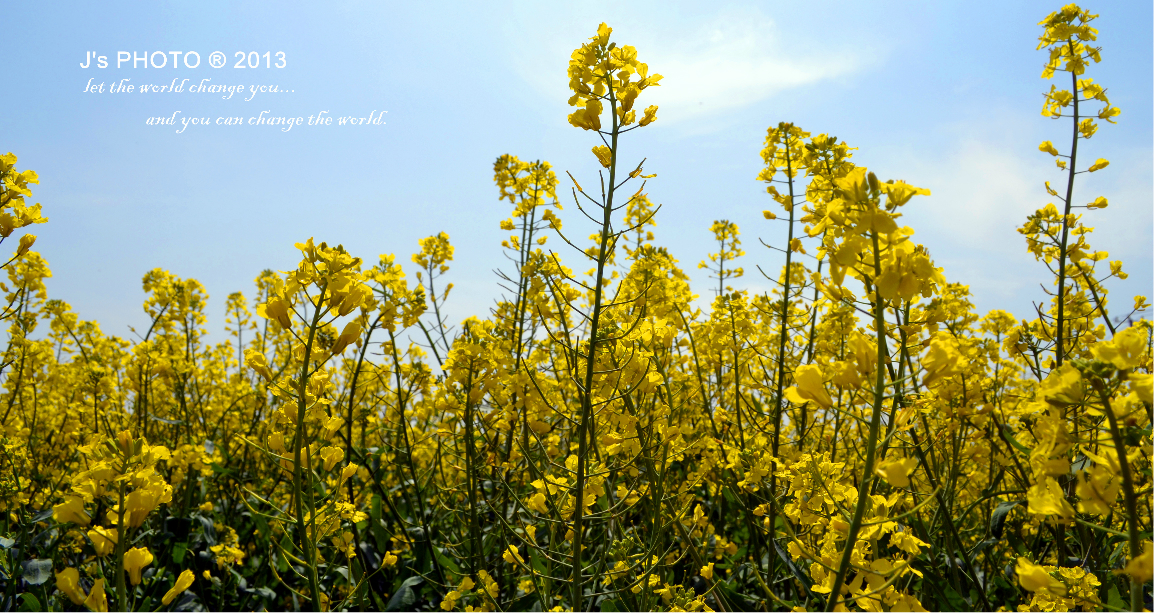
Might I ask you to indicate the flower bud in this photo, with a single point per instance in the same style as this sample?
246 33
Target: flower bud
276 309
135 560
26 243
124 442
276 442
348 336
68 582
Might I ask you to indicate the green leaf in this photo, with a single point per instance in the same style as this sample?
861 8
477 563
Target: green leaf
1079 464
209 529
1114 599
44 515
405 597
982 546
528 602
736 599
445 562
37 572
171 422
178 552
998 518
379 535
286 544
1009 434
31 603
956 601
793 569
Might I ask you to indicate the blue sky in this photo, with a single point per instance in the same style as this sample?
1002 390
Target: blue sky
944 95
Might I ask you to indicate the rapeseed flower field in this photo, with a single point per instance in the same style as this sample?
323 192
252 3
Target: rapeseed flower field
858 438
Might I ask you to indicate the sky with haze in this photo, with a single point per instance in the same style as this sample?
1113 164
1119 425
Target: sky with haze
943 95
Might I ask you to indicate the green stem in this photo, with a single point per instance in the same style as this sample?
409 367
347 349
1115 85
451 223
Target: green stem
299 475
585 421
475 551
1129 497
871 442
121 539
1066 225
780 400
355 570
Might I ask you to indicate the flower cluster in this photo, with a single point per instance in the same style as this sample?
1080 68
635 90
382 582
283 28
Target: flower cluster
855 435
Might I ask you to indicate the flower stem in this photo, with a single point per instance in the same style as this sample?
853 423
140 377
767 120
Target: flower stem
307 547
1129 498
872 442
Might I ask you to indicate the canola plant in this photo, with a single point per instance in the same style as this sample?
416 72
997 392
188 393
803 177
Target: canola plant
858 438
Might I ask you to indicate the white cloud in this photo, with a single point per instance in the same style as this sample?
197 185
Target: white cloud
986 186
981 190
731 60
